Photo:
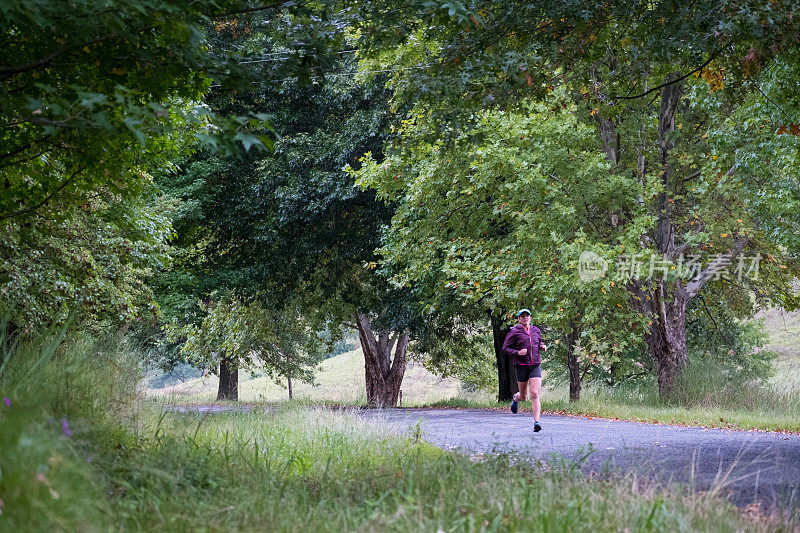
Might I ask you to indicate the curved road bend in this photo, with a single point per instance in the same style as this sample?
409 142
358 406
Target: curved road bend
749 466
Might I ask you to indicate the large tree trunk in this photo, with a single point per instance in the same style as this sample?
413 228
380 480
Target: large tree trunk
666 304
575 377
228 380
506 379
384 375
666 338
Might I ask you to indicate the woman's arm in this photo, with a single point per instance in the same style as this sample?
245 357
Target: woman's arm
509 345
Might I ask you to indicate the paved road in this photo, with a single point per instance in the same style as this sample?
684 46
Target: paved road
749 466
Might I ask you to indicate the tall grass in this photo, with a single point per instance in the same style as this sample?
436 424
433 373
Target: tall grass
79 452
306 469
705 384
57 393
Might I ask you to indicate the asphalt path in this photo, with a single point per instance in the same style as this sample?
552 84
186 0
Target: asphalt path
746 466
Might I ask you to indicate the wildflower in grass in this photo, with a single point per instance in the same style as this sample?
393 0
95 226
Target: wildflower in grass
7 401
65 427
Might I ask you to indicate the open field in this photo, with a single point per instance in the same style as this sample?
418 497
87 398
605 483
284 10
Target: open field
339 380
783 328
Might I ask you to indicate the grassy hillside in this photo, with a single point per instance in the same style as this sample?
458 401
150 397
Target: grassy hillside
784 338
339 379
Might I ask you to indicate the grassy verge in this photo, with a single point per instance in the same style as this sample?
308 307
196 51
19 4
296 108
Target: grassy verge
742 419
704 396
317 470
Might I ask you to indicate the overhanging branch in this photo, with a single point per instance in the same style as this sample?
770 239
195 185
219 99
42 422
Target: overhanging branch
254 9
11 71
666 83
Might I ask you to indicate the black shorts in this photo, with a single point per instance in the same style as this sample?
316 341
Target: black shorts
526 372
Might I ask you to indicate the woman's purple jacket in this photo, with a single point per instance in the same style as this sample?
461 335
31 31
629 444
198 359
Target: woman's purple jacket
517 339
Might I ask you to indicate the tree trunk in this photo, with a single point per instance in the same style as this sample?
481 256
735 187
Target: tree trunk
506 379
289 375
666 339
667 336
228 380
575 377
383 374
664 303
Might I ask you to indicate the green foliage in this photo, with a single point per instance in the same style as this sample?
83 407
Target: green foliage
624 177
498 218
93 98
280 343
91 258
91 92
288 227
458 350
735 347
303 197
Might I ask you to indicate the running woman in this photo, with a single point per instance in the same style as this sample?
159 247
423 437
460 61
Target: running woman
524 344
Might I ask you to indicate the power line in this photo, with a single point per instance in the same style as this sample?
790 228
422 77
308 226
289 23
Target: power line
286 55
342 74
373 71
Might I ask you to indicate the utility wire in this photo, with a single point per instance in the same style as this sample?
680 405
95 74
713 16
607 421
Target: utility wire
286 55
341 74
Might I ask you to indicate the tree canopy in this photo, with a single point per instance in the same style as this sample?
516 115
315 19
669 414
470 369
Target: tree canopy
626 169
94 99
681 99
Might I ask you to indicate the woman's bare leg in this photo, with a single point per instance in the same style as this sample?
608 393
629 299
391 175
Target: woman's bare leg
522 395
534 385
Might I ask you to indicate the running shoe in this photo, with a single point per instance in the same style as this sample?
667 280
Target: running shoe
536 427
514 406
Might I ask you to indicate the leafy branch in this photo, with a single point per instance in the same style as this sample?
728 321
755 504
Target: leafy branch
46 199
